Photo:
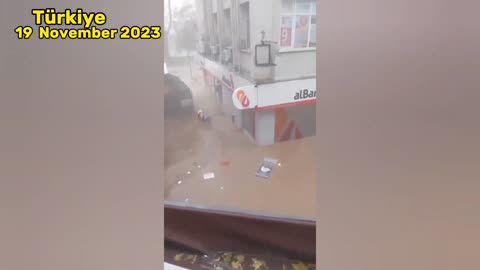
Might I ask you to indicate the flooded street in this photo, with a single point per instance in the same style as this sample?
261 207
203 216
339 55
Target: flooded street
193 149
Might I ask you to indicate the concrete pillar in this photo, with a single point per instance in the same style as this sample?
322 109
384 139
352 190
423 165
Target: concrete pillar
265 127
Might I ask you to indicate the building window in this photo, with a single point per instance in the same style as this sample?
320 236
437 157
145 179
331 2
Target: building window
227 28
244 26
214 29
298 24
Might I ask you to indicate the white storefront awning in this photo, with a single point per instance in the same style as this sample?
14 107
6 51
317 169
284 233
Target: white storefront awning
288 93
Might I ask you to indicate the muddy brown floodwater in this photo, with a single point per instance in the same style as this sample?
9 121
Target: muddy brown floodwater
193 149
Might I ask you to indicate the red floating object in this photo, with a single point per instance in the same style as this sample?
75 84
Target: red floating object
225 163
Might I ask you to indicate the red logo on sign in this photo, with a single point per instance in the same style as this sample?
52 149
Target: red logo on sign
242 97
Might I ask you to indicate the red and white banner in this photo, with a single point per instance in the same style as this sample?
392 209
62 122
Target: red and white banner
227 78
275 95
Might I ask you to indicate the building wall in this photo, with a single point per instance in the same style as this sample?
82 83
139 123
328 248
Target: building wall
265 16
229 109
202 23
261 20
227 4
246 64
248 122
215 72
269 126
227 105
291 65
214 5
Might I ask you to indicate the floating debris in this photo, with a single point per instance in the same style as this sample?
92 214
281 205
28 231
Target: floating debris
237 262
188 258
208 176
227 257
202 115
271 160
258 264
265 169
179 182
179 257
300 266
225 163
189 172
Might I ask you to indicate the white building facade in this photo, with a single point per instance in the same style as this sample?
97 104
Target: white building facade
259 57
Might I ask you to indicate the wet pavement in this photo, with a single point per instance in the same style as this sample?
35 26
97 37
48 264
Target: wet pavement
194 151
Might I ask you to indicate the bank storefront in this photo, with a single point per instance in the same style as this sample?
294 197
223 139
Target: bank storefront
280 111
223 82
267 113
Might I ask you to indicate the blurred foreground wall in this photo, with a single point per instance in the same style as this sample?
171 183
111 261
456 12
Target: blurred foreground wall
81 144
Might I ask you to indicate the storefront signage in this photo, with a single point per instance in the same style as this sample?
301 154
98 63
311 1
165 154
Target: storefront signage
245 97
288 93
229 80
305 94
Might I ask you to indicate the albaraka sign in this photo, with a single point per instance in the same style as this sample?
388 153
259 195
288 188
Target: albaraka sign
286 93
305 94
280 94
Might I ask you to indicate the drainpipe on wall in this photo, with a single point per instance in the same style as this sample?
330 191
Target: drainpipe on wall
207 24
208 11
236 35
221 24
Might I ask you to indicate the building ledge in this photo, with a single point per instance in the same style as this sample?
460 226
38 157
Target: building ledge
296 50
245 74
287 79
